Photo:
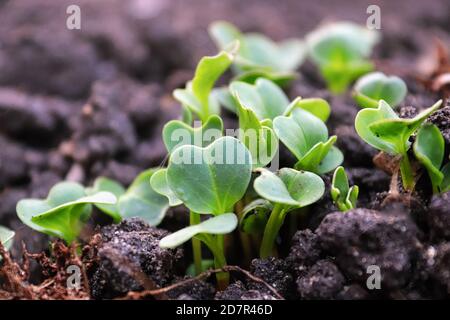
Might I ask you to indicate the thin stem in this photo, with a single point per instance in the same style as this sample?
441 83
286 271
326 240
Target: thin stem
407 173
223 278
273 226
194 218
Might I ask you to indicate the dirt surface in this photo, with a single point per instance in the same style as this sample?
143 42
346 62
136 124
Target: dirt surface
76 104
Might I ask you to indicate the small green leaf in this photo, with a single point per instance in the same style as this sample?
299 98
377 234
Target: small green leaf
212 179
343 196
6 237
290 187
177 133
445 184
306 136
282 79
318 107
105 184
140 200
225 99
159 183
254 216
196 96
352 197
63 212
259 139
376 86
429 149
396 131
221 224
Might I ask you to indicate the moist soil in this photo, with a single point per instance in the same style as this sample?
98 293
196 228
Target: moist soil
77 104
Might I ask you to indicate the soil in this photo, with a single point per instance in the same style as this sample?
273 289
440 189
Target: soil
76 104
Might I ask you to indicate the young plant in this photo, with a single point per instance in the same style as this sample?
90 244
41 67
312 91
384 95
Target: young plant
306 136
139 200
429 149
63 213
383 129
6 238
210 181
268 101
343 196
258 55
196 97
376 86
288 190
341 51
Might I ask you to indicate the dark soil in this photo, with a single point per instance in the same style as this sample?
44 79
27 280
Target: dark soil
76 104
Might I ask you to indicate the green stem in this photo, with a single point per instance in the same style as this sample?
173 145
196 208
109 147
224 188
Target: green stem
223 278
273 226
194 218
407 173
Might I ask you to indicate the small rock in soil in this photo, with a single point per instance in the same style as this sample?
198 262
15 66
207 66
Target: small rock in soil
322 281
276 273
128 252
438 216
362 237
353 292
305 251
438 265
197 290
238 291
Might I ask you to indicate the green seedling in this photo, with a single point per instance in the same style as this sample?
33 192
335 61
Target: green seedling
383 129
376 86
343 196
6 238
254 216
209 180
139 200
268 101
306 136
196 97
288 190
258 55
341 51
64 212
176 133
429 149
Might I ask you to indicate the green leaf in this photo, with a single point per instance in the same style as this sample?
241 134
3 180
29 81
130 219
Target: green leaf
159 183
225 99
254 216
140 200
211 179
259 55
259 139
282 79
264 98
177 133
341 50
343 196
318 107
445 184
290 187
352 197
396 131
109 185
63 212
221 224
196 96
306 136
429 149
376 86
6 237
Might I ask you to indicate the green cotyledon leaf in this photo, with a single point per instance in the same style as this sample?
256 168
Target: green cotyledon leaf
212 179
63 212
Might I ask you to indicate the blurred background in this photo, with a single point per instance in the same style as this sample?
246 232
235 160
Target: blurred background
75 104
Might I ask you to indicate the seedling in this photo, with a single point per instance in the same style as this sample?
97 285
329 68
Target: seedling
255 215
429 149
64 211
258 55
376 86
343 196
289 190
341 51
6 238
196 97
268 101
139 200
209 180
383 129
306 136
